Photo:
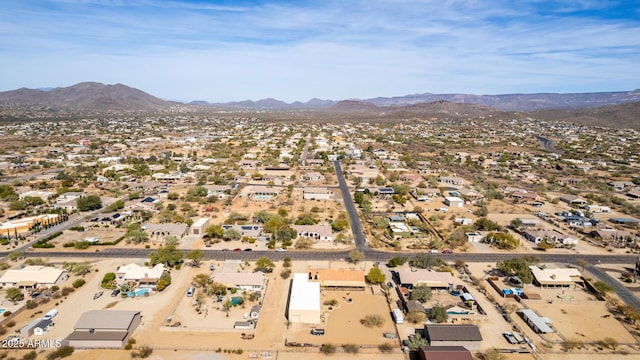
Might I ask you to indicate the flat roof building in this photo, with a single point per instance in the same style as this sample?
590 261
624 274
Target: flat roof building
304 300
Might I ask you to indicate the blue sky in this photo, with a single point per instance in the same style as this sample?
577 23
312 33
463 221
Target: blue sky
331 49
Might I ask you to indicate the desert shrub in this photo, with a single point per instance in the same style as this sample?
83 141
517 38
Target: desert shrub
60 353
327 348
285 274
351 348
67 290
385 347
31 355
78 283
31 304
372 320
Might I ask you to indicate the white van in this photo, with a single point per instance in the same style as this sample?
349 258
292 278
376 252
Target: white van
191 291
51 314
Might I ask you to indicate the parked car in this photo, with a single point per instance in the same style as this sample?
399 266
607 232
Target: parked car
191 291
98 294
115 292
318 332
281 250
212 267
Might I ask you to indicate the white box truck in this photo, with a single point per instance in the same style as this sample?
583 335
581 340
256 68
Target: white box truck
51 314
398 317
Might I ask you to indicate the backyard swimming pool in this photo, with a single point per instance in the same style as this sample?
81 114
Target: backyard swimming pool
236 300
138 292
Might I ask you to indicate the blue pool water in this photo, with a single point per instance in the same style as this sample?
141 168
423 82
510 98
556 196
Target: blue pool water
138 292
2 310
236 300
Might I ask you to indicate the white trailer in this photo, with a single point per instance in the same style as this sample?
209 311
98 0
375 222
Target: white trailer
398 317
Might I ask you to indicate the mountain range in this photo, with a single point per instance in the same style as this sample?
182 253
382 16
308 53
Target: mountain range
91 96
601 108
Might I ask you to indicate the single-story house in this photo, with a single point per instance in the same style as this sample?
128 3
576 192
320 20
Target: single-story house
444 353
410 277
317 193
33 277
240 280
317 232
339 279
573 199
142 275
248 230
219 191
170 229
466 335
548 277
104 329
450 180
304 300
313 176
549 236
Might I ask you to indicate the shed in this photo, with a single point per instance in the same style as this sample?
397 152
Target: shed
104 329
453 201
539 324
245 325
466 335
444 353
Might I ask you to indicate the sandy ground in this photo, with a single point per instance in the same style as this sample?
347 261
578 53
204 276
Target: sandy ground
579 317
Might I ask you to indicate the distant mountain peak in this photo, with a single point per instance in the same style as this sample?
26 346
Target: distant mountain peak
92 96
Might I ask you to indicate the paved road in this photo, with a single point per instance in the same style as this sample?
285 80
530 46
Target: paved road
627 296
356 227
549 144
371 255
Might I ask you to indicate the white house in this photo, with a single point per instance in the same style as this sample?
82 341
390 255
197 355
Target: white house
317 193
33 277
142 275
317 232
240 280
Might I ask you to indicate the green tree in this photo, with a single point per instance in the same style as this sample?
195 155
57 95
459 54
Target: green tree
89 202
14 294
264 264
438 314
375 276
355 256
485 224
416 341
231 234
81 269
196 257
214 231
421 293
168 255
503 240
518 267
397 261
603 287
425 261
